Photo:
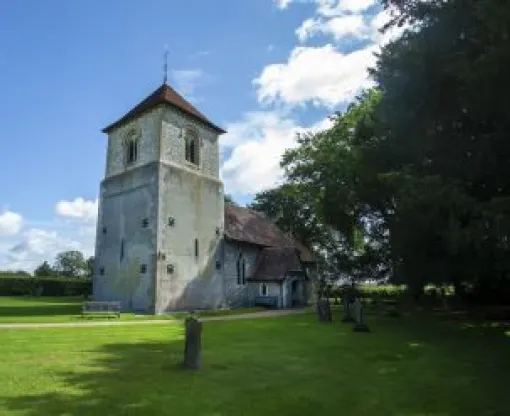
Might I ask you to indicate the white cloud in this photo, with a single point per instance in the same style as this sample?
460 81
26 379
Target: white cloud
322 75
338 27
258 141
187 81
10 223
79 209
339 7
332 7
38 245
283 4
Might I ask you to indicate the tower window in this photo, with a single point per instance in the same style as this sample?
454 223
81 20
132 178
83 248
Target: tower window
192 151
145 222
104 230
131 148
170 268
143 268
196 247
101 271
171 221
121 249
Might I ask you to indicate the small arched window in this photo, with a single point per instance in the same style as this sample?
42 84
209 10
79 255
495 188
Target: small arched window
131 148
191 142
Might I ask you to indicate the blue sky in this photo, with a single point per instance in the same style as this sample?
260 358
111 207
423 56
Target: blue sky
262 69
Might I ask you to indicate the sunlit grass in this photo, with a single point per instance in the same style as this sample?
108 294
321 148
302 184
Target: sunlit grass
414 365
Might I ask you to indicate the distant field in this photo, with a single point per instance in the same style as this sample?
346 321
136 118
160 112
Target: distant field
68 309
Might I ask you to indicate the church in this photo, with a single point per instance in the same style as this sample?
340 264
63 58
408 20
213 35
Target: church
166 240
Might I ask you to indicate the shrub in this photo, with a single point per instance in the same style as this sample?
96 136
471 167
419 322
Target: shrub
44 286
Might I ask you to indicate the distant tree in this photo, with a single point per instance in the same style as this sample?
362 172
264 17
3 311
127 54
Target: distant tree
44 270
71 263
89 266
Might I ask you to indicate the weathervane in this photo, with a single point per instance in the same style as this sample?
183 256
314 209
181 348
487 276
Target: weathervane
165 66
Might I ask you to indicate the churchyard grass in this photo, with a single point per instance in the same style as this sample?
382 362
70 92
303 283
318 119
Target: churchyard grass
25 309
409 366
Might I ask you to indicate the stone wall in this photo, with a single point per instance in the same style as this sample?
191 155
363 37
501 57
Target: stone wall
239 295
194 203
172 148
147 127
123 244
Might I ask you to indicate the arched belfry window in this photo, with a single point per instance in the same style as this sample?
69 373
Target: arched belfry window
131 147
191 142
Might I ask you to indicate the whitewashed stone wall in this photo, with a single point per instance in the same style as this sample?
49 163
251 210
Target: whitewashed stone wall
239 295
173 146
148 127
195 203
125 201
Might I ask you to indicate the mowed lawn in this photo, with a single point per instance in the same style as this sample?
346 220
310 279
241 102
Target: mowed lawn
413 365
25 309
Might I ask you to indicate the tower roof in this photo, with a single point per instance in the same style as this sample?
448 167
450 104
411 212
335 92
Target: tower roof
164 95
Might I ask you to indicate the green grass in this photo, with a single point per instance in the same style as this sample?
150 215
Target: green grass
68 309
409 366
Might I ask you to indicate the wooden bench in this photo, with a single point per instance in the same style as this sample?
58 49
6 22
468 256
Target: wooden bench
270 301
101 308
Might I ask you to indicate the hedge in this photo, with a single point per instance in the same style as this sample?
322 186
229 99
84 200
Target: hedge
44 286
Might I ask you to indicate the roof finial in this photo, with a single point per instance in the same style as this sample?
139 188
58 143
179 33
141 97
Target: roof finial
165 66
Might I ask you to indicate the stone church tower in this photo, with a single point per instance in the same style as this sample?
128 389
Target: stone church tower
161 209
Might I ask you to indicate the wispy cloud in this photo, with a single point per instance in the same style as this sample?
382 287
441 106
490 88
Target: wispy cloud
187 81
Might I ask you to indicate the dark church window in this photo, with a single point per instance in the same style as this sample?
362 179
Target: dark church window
192 149
263 289
218 264
196 247
131 150
121 249
171 221
101 271
170 268
143 268
241 270
145 222
104 230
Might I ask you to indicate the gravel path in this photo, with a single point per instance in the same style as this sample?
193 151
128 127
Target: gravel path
265 314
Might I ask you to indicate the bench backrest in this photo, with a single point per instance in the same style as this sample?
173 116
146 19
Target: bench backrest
102 306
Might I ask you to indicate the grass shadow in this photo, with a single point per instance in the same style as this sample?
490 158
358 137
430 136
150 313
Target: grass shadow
287 366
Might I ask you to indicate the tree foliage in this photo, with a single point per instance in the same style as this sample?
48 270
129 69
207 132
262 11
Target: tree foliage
414 174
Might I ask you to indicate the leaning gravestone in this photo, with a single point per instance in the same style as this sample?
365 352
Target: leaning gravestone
193 344
324 311
360 325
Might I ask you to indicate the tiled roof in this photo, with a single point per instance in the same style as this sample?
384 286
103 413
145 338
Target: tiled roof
242 224
275 262
164 95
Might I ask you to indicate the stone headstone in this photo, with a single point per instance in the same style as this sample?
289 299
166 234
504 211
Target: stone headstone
360 325
347 306
324 311
193 344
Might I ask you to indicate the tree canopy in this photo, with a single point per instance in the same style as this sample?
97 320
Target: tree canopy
413 175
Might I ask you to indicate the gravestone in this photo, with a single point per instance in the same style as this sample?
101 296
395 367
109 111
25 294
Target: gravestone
347 306
360 325
193 344
324 311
